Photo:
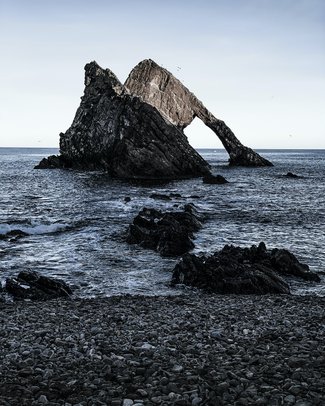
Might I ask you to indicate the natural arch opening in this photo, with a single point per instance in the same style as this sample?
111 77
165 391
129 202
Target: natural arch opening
202 137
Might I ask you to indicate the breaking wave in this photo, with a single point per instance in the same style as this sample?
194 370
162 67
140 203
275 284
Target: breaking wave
32 229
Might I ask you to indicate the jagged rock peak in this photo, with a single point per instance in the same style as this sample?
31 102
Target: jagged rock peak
102 77
120 133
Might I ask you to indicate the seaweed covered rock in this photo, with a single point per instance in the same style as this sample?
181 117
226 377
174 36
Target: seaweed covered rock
35 286
253 270
169 233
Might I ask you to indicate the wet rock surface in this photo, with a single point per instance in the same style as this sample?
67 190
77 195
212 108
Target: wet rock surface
169 233
292 175
35 286
253 270
187 350
214 179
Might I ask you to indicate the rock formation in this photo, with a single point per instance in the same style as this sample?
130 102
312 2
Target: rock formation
120 133
253 270
169 233
136 130
34 286
161 89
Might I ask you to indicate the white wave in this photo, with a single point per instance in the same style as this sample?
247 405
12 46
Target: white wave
33 229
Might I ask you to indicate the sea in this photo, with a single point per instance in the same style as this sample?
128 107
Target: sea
75 222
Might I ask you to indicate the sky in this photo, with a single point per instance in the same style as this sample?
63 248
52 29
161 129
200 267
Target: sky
259 65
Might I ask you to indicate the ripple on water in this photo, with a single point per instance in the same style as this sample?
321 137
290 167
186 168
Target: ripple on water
76 221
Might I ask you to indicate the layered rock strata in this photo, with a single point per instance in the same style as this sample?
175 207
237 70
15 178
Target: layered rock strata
136 130
120 133
158 87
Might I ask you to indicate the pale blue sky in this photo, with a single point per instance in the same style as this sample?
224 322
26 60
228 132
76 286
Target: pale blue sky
259 65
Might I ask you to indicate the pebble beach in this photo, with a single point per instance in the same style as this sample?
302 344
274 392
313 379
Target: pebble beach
193 349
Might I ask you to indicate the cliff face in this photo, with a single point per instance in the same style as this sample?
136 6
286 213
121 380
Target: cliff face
136 130
120 133
161 89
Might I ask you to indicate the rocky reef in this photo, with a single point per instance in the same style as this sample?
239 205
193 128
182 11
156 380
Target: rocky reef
168 233
136 130
253 270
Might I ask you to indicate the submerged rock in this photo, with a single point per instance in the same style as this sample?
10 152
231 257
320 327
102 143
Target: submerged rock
136 130
169 233
35 286
13 235
253 270
292 175
214 180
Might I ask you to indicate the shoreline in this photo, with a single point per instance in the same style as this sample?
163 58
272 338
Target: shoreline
193 349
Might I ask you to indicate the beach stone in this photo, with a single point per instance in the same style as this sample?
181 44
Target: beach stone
290 399
291 175
196 401
281 328
295 390
43 399
142 392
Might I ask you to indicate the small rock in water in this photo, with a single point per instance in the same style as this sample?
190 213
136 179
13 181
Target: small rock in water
291 175
168 233
214 180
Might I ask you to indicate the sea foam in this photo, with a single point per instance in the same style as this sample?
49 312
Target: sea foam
33 229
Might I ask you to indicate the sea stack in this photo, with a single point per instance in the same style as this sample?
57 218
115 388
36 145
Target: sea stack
158 87
136 130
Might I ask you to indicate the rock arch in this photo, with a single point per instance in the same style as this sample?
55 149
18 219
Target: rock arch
135 130
158 87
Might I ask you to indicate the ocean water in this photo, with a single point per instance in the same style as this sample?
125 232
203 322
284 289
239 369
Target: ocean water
76 221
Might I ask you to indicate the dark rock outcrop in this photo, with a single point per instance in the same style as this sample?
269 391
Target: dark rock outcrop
253 270
158 87
136 130
34 286
169 233
13 235
55 161
292 175
161 196
214 179
120 133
